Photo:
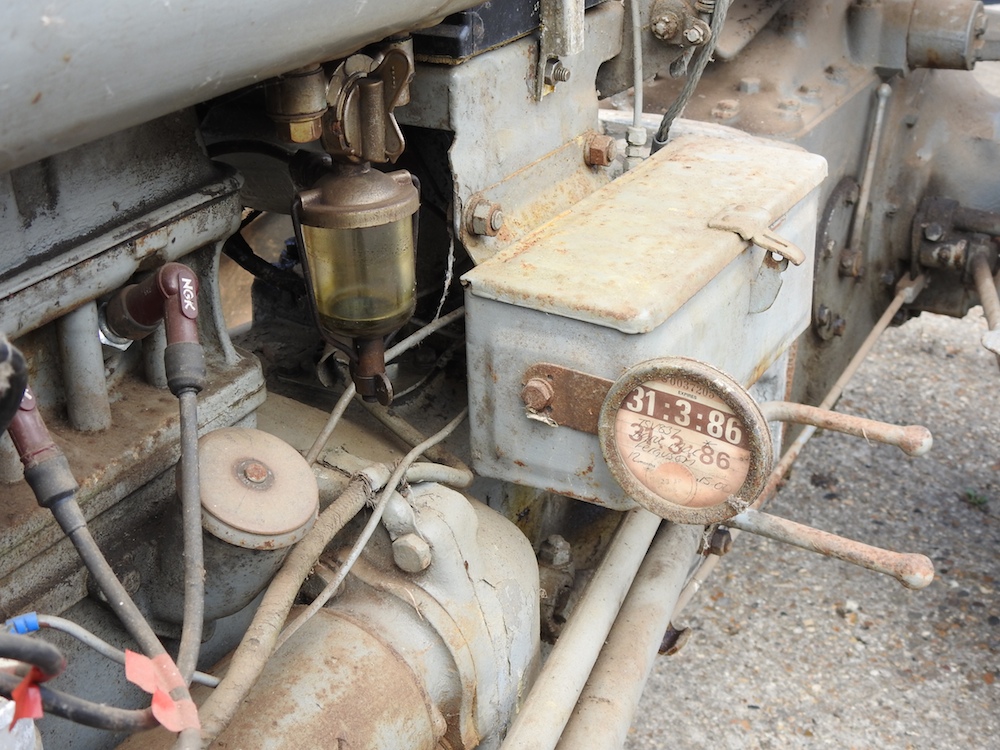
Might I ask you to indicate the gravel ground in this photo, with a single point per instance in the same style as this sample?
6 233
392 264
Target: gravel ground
790 649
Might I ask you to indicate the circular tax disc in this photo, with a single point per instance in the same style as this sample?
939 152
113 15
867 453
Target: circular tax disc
685 440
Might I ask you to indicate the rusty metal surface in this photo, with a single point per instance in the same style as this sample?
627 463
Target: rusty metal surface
338 684
576 396
661 257
715 323
525 156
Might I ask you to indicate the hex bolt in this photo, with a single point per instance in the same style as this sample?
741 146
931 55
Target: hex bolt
599 150
556 72
537 394
749 85
823 316
411 553
721 542
839 326
933 231
484 217
665 27
695 35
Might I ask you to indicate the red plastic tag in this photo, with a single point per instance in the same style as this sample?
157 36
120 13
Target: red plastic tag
158 676
27 697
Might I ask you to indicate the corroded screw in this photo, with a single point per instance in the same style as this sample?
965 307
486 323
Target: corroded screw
599 150
484 217
695 35
537 394
665 27
721 542
255 472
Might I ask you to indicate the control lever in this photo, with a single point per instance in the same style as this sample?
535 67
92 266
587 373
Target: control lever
912 570
913 440
688 443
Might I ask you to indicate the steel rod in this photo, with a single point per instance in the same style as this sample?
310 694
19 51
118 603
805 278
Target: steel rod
550 703
608 703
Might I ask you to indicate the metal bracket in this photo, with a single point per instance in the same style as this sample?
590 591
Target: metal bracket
563 397
753 224
561 32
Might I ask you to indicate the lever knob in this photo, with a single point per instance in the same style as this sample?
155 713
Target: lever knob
912 570
913 440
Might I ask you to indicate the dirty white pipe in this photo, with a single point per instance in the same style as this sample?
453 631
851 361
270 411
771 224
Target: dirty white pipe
609 701
550 703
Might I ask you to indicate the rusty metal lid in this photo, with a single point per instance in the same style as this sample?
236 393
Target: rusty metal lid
354 197
257 492
631 254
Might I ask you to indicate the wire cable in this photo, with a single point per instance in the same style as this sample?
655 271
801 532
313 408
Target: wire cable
699 64
82 711
189 488
46 657
370 527
87 638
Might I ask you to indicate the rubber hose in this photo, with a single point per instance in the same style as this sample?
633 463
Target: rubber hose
81 711
194 554
37 653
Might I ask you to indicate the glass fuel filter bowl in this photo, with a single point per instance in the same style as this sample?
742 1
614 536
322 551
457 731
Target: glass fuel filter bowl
357 228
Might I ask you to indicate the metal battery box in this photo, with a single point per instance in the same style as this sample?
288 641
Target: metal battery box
668 260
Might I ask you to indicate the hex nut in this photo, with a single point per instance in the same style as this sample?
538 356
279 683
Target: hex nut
721 542
411 553
556 72
484 218
537 394
665 27
599 150
302 131
694 35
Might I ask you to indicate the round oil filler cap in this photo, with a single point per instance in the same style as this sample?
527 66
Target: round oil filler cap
685 440
257 492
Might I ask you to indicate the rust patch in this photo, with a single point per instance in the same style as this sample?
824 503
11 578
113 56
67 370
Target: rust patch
577 397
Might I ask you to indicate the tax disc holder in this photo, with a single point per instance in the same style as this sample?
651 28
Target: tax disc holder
685 440
687 443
